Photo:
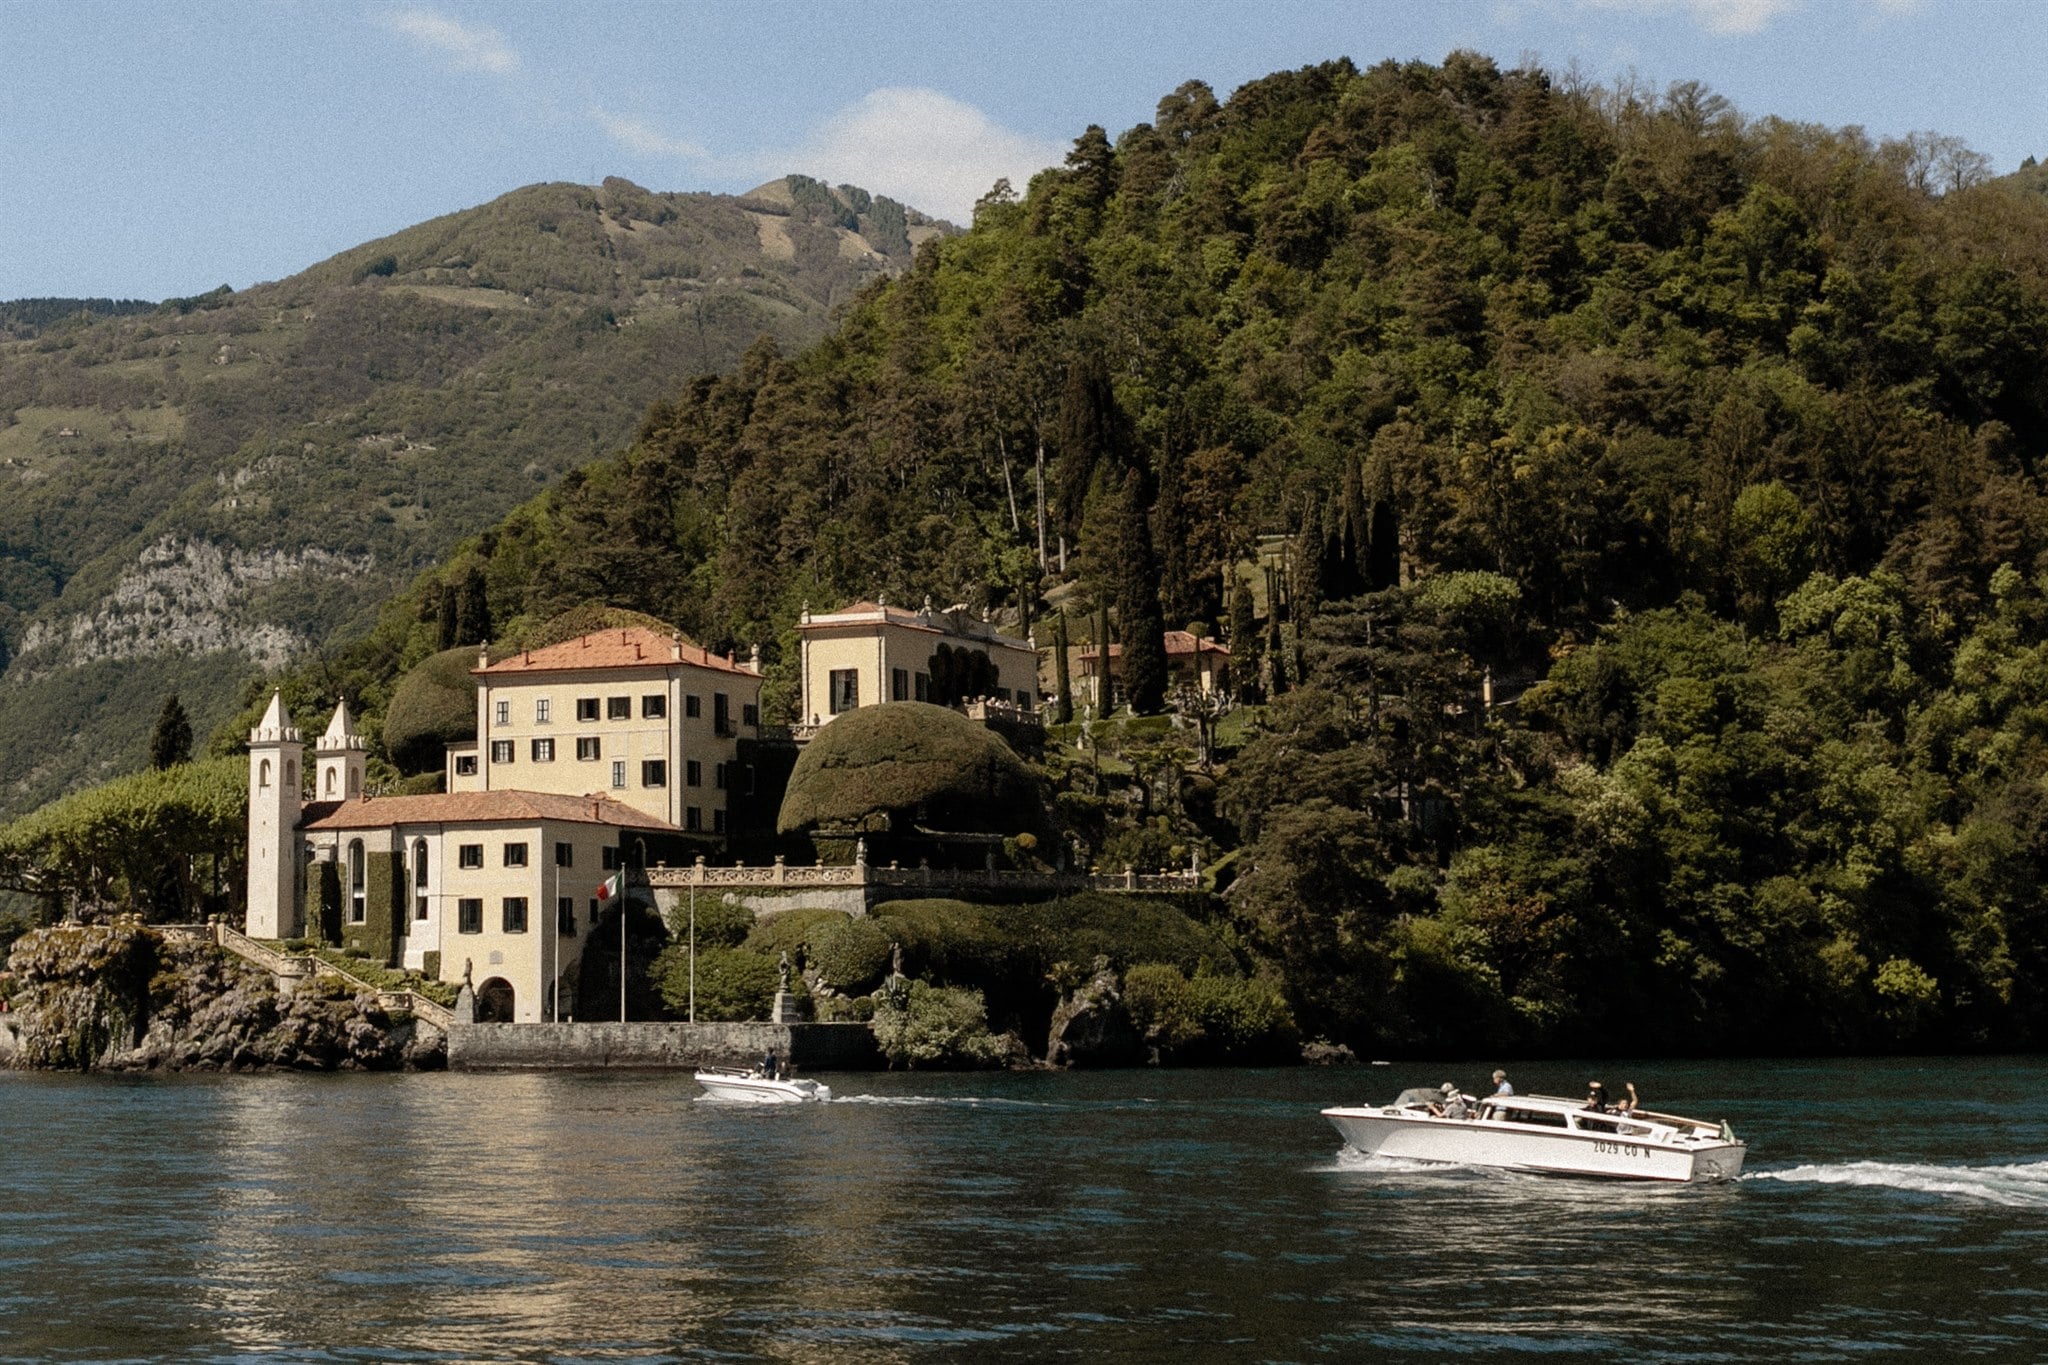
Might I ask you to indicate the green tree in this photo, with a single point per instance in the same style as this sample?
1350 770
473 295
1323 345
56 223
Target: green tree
1144 628
171 741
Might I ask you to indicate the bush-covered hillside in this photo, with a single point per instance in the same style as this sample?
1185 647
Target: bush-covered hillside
1708 448
214 484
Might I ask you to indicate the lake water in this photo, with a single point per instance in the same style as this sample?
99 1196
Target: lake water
1891 1209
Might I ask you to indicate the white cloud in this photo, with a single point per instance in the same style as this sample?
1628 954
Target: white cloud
636 135
926 149
469 47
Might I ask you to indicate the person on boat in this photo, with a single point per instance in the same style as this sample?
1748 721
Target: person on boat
1596 1097
1501 1084
768 1065
1452 1105
1631 1104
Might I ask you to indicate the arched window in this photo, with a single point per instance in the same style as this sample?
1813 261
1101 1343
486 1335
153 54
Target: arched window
291 776
355 784
356 882
263 773
330 783
419 863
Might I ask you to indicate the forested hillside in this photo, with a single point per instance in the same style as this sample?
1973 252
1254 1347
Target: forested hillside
1720 436
194 492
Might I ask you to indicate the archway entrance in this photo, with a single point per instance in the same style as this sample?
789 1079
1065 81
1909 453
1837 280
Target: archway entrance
494 1001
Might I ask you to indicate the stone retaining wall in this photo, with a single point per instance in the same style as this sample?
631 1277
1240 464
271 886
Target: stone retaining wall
809 1047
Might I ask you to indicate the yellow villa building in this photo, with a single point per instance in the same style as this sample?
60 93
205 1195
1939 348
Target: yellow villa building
870 652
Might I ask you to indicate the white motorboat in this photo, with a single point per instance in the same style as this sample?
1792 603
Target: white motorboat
1544 1134
756 1087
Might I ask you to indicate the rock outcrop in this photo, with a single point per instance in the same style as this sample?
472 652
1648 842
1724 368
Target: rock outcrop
126 997
1091 1026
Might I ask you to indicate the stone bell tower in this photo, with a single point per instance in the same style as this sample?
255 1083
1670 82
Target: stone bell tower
340 754
274 754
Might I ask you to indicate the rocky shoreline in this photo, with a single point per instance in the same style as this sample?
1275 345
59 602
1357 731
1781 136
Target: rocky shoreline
126 997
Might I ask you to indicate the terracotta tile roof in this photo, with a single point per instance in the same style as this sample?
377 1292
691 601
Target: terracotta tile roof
1179 644
475 808
631 647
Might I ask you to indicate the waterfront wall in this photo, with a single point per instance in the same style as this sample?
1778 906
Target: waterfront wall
859 887
597 1046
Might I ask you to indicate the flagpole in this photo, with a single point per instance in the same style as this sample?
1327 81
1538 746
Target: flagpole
622 934
693 948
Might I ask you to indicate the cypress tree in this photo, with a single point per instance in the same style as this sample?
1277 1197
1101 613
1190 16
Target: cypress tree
1105 687
171 742
1244 643
1063 709
445 629
1089 431
1178 586
473 609
1138 604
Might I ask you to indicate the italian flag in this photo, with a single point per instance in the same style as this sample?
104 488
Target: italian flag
608 888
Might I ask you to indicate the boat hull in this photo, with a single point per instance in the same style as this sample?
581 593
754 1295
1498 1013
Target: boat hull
744 1089
1515 1147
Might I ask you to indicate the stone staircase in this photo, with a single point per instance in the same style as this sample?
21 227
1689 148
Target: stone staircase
291 968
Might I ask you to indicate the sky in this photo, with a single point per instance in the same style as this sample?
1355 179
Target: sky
157 150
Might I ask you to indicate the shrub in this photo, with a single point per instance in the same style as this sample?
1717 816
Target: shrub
936 1026
1209 1018
719 925
879 762
852 955
732 983
789 931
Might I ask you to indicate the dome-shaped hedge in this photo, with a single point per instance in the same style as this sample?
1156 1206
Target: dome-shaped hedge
432 707
879 766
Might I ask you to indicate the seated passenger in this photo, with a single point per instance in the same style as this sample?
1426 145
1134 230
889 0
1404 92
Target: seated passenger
1452 1105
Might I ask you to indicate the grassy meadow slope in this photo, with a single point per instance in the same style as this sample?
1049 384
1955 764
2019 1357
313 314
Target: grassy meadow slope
193 494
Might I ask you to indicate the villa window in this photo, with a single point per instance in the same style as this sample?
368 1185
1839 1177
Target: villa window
540 711
693 773
899 684
502 750
589 748
721 713
515 914
263 773
750 714
565 855
501 713
618 708
465 765
565 916
844 690
608 858
543 751
419 907
586 708
718 776
693 706
469 855
469 915
654 706
618 772
653 772
718 821
419 863
357 881
693 819
515 855
923 688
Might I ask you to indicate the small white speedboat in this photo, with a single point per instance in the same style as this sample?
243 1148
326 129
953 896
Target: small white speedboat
1546 1135
755 1087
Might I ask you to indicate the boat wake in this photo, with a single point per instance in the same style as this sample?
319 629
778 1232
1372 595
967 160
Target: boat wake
2021 1186
952 1101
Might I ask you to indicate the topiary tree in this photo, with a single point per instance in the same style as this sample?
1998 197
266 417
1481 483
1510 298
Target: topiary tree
875 768
432 707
